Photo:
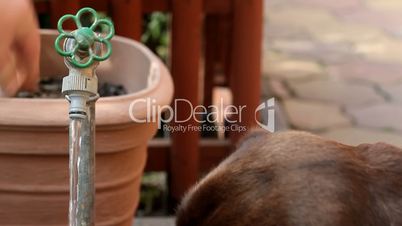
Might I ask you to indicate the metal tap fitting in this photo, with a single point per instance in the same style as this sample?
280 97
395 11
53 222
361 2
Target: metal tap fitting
82 49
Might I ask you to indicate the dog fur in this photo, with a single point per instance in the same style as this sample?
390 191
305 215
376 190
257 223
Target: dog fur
299 179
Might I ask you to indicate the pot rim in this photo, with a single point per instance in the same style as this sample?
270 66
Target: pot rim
28 112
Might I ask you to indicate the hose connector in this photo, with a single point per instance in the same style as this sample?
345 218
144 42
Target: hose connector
79 89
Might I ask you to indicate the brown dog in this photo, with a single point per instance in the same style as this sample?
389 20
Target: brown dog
298 179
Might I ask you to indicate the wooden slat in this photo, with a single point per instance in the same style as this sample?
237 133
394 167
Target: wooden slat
149 6
209 6
245 59
41 6
60 8
186 55
158 155
217 6
217 37
127 17
212 152
98 5
210 57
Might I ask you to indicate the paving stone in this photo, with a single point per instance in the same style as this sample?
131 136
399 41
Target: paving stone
272 56
314 116
389 21
154 221
366 71
359 47
385 5
382 116
276 32
292 69
277 88
333 5
394 92
356 136
369 48
283 17
301 18
341 93
382 50
265 86
335 53
271 4
293 46
322 25
307 49
346 32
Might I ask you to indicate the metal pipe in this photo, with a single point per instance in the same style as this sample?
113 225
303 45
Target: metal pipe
82 50
80 88
82 169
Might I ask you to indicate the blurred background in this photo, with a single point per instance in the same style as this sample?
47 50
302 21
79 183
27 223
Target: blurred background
334 68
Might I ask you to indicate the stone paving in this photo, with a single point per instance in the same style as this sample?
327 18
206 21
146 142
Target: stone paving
336 67
154 221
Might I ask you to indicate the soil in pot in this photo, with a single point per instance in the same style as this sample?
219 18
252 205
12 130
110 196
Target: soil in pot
51 88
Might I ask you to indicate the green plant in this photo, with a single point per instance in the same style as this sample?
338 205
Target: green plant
153 199
155 34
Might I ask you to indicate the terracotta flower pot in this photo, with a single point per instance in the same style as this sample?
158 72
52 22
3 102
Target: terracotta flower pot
34 141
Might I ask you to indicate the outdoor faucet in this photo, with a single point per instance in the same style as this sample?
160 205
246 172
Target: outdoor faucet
82 50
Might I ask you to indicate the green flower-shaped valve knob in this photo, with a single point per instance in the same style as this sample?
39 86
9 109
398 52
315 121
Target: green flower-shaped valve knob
85 39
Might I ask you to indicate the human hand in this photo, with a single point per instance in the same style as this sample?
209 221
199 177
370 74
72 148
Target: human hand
19 47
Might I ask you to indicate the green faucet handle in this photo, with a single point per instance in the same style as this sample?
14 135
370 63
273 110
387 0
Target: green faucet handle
85 37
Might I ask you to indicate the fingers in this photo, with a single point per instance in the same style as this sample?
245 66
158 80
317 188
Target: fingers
27 44
10 80
19 47
29 66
